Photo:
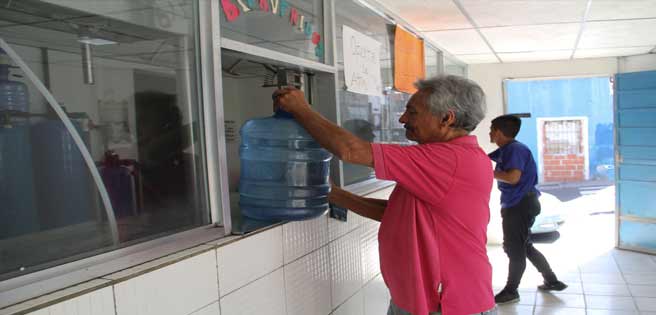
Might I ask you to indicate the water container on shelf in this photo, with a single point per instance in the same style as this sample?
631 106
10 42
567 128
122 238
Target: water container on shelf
13 94
284 172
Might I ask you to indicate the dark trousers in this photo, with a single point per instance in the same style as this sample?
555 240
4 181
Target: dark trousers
517 222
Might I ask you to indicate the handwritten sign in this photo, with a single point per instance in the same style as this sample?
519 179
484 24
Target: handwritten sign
361 63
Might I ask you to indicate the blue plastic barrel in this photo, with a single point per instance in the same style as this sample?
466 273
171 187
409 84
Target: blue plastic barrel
284 172
18 213
63 182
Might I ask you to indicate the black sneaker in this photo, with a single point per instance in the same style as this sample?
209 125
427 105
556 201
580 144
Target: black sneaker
553 286
505 297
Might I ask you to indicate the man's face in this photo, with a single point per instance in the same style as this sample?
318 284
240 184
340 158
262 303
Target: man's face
419 123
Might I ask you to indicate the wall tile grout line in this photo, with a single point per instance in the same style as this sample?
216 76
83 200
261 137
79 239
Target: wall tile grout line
284 279
114 298
218 285
204 306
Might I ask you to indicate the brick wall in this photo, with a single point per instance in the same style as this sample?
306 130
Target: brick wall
563 167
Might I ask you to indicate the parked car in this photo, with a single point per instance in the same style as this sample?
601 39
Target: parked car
550 219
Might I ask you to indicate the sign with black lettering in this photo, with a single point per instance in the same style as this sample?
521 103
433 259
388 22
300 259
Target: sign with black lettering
361 63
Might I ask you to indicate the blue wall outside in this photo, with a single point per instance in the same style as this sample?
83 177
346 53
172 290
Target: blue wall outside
589 97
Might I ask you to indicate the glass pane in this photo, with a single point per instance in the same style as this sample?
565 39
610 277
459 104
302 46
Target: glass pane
431 55
126 75
293 27
453 67
373 118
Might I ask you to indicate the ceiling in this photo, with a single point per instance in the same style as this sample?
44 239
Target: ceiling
501 31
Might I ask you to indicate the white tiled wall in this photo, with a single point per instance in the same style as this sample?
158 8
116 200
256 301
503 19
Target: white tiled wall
346 266
316 267
300 238
212 309
307 284
264 296
353 306
369 250
180 288
249 259
337 229
100 302
376 297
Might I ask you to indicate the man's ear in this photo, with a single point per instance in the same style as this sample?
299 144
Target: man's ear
449 118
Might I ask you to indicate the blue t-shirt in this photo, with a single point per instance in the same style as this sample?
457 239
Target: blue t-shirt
515 155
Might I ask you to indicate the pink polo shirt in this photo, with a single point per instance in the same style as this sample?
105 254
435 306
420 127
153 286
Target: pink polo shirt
434 228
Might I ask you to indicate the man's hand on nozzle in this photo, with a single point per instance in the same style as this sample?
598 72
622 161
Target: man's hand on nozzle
289 99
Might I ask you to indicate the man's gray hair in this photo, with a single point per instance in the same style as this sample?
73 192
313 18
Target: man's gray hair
457 94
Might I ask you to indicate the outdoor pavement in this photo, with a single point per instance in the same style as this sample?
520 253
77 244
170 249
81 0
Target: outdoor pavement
601 278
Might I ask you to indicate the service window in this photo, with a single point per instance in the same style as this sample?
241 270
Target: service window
127 165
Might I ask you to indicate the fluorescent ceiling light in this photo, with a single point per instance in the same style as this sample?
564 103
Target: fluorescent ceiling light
95 41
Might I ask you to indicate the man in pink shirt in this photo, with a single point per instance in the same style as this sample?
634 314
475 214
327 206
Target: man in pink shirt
433 228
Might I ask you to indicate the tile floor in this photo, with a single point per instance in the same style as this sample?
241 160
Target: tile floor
602 280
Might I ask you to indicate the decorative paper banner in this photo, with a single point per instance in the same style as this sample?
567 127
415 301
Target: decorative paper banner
361 63
408 60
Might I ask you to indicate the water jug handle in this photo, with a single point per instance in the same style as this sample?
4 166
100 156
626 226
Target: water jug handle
282 114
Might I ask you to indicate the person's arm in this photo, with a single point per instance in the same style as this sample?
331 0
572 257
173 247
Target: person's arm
510 176
366 207
339 141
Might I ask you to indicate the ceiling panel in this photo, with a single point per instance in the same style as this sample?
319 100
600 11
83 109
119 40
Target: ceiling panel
617 34
627 9
487 13
536 56
478 58
459 42
611 52
427 15
532 38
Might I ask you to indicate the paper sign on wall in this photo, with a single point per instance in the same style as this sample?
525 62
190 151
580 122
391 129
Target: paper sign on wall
408 60
361 63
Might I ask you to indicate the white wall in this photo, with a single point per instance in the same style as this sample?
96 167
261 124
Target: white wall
637 63
490 77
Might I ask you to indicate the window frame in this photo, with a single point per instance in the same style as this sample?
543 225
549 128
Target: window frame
94 266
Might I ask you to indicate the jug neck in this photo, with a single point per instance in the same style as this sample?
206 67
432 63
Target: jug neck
282 114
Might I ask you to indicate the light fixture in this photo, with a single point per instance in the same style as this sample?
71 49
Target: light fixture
95 41
86 42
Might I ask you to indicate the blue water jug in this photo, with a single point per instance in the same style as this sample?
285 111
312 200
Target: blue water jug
284 172
13 94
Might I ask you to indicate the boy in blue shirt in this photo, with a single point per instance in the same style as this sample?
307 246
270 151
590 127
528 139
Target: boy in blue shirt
516 174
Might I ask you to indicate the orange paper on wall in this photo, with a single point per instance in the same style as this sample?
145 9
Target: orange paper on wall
408 60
